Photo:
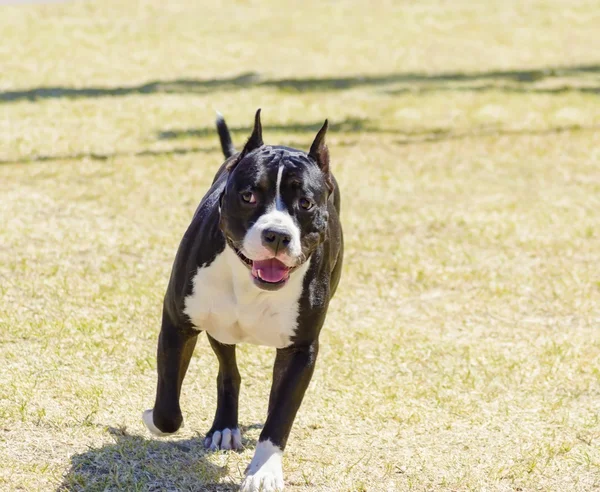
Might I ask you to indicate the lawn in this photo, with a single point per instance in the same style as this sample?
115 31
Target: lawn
462 350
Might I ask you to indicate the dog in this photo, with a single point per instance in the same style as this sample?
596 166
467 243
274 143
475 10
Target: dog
259 264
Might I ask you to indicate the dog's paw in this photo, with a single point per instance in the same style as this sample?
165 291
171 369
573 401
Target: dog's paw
224 439
264 473
148 419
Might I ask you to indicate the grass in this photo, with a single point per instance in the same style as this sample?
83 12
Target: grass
462 349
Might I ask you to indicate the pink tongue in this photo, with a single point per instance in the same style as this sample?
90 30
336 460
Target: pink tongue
270 270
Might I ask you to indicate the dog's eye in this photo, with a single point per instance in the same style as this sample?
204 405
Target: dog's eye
305 203
248 197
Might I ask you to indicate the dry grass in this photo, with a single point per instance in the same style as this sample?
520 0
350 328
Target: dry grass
462 351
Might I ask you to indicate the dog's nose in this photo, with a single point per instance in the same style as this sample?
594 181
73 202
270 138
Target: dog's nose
276 239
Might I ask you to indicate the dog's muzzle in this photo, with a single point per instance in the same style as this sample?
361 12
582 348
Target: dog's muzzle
269 274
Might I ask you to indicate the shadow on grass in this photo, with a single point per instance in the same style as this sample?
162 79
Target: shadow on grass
441 135
102 156
514 89
252 79
405 137
349 125
136 463
160 86
365 126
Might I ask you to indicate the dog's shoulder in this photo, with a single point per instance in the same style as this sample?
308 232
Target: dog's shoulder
202 242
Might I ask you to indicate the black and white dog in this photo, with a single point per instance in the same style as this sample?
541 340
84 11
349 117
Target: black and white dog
258 264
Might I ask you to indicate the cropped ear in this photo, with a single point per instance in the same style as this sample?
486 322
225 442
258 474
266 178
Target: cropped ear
254 142
320 153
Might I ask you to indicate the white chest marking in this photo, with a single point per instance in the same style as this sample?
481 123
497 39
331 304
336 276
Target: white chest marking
226 304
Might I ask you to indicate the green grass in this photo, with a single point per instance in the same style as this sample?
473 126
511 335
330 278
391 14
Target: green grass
462 351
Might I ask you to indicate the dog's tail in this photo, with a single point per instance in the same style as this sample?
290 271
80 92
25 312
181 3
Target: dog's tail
225 137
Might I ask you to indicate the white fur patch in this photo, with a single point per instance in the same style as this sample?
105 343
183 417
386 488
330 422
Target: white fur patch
278 200
277 217
228 306
264 473
253 246
147 418
225 439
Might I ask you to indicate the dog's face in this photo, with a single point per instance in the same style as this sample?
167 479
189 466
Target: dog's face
274 207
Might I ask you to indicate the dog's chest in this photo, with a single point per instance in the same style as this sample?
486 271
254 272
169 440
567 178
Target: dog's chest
226 304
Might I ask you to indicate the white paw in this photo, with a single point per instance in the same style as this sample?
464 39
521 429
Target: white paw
149 421
224 439
264 474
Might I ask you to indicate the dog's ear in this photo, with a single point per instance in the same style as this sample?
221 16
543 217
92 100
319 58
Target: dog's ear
254 142
320 153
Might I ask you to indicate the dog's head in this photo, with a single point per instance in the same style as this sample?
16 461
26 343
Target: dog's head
274 206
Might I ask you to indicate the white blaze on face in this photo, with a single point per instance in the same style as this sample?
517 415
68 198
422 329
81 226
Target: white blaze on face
278 201
275 217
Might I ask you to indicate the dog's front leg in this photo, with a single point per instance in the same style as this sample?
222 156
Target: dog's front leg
224 433
293 370
175 349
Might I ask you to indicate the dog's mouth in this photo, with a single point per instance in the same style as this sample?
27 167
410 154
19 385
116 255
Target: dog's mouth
271 272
